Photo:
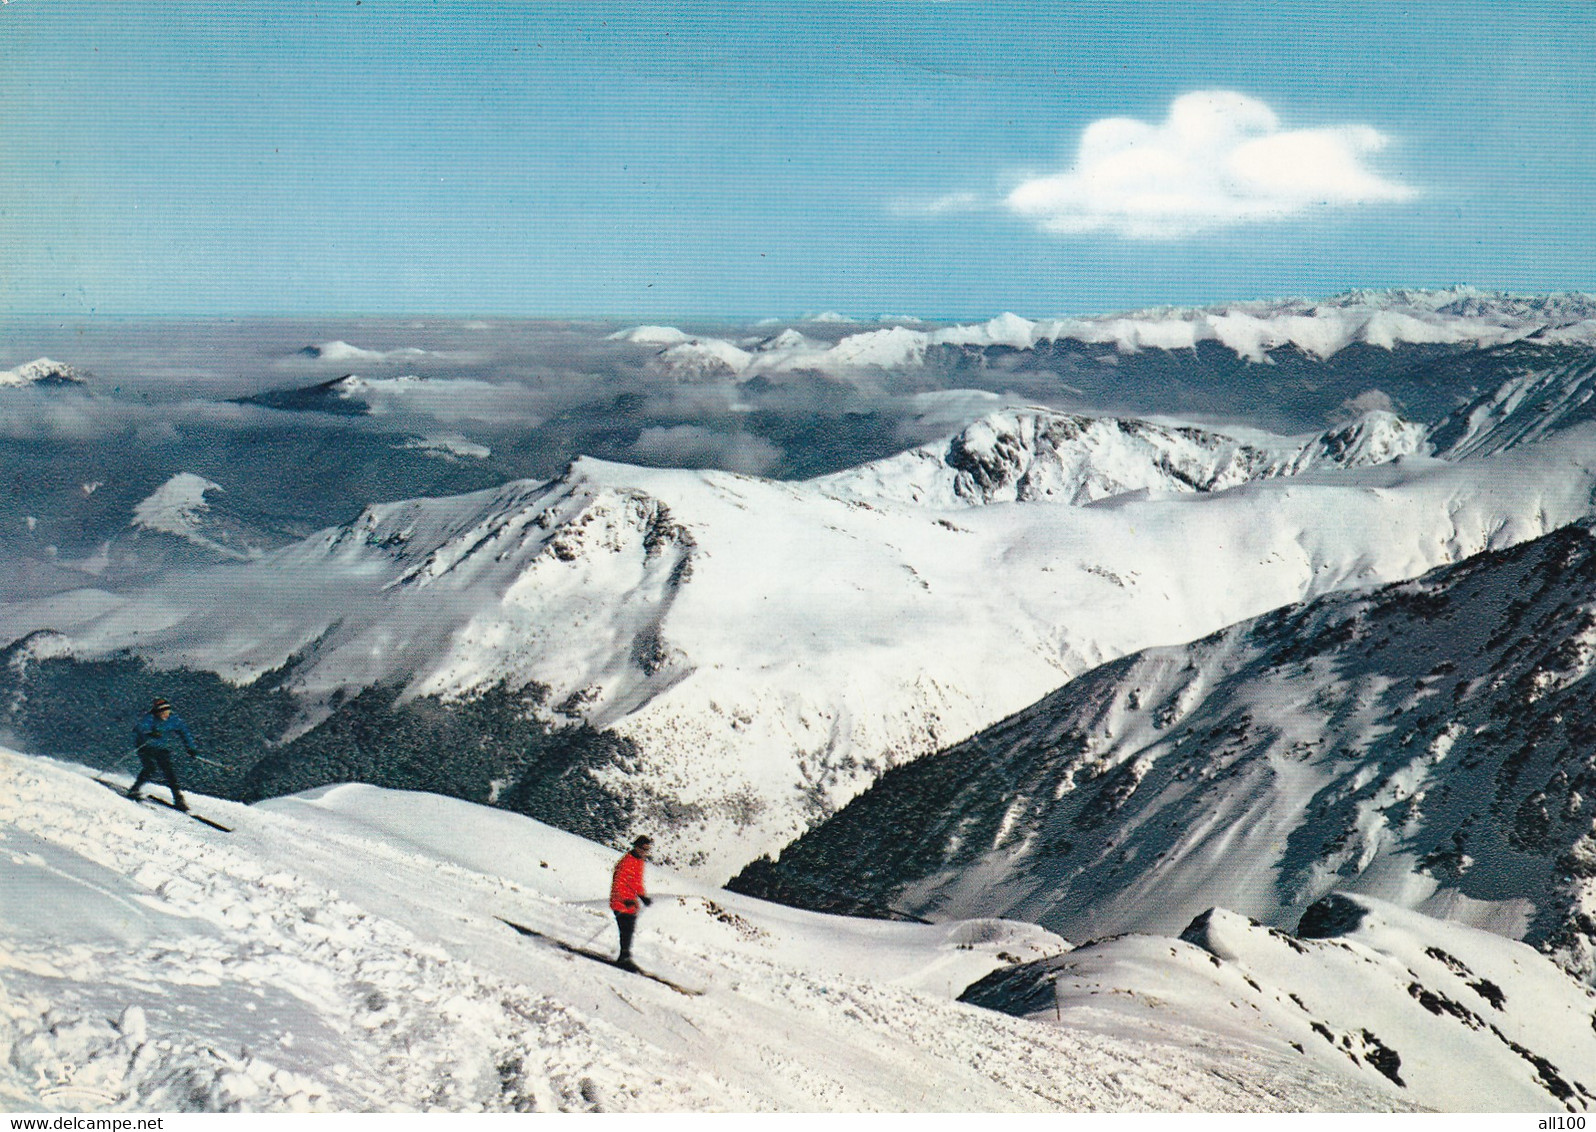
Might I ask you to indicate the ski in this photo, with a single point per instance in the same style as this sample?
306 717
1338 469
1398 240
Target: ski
201 818
159 802
598 957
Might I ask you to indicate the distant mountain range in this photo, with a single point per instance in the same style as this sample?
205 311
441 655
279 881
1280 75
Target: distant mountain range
1251 330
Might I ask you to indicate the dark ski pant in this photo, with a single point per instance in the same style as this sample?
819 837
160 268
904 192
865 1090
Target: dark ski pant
152 759
627 922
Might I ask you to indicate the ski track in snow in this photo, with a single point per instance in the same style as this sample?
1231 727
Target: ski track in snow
311 962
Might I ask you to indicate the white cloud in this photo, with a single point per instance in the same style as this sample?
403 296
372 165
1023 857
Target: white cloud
695 446
447 447
937 206
1370 400
1219 159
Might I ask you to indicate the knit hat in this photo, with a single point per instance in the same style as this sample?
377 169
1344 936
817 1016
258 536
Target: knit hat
160 704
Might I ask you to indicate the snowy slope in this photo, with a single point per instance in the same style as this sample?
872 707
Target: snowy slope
183 507
1541 391
1429 743
1035 454
772 648
176 506
1451 1016
339 952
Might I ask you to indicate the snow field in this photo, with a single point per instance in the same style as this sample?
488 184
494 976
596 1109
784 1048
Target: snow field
1444 1015
314 961
277 993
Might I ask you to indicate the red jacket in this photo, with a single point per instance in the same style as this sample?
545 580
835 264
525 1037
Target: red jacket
627 884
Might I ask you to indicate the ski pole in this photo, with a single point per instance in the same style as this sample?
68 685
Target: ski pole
208 762
592 939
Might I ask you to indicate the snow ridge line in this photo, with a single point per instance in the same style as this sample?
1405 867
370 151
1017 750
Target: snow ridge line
1039 1066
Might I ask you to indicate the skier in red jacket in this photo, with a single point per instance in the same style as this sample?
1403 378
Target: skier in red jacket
626 889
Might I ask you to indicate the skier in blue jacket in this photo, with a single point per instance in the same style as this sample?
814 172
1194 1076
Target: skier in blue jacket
153 737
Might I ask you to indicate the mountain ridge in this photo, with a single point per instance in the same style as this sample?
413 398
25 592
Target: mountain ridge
1426 743
1251 330
1027 455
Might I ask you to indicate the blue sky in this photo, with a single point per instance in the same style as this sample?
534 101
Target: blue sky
668 160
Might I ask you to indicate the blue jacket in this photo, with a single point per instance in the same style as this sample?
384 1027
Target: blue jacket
152 732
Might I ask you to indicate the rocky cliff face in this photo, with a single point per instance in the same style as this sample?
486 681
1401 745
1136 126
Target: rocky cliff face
1035 455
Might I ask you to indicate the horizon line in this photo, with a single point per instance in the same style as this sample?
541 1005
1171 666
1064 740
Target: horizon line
830 315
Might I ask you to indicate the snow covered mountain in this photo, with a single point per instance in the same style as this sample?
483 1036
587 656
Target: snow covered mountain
340 951
450 400
1459 316
353 395
534 396
40 371
771 648
341 396
1037 454
1454 1017
699 358
1290 365
1427 743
